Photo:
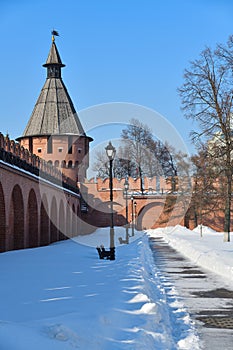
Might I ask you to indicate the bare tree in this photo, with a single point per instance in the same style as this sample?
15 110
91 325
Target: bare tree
101 164
206 194
206 97
140 155
165 154
138 139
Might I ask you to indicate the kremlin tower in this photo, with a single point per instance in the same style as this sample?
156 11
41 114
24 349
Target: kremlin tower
54 131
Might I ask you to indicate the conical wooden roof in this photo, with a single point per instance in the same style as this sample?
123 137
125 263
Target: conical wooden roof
54 112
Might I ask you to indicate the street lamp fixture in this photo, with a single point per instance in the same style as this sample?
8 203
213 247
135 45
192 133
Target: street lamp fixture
111 152
126 184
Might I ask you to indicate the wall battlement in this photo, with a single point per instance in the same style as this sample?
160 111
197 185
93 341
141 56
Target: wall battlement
11 152
151 185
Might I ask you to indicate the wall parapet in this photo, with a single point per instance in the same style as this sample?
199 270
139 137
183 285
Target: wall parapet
152 185
12 153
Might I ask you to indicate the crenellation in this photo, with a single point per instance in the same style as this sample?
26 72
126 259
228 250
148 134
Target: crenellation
12 146
17 149
22 152
7 144
2 141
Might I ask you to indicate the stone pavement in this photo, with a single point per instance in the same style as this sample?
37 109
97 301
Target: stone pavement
207 297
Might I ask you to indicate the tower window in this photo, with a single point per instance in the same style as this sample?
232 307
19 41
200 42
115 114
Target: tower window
60 149
30 145
39 150
79 150
50 144
70 163
70 145
53 72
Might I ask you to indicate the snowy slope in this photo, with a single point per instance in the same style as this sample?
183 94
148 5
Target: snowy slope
64 297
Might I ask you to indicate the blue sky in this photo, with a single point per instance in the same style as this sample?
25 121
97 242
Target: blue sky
129 51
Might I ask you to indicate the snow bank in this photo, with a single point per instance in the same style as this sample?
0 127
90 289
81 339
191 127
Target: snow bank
208 250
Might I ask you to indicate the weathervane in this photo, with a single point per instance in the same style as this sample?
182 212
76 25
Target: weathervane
54 33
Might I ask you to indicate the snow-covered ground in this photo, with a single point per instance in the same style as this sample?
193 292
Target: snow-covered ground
202 245
64 297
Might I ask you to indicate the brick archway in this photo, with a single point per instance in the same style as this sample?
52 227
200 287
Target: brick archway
73 224
149 215
68 220
32 220
17 218
44 222
62 223
26 205
2 221
53 221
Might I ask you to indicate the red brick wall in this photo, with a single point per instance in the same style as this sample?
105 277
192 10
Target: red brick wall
151 211
73 165
23 221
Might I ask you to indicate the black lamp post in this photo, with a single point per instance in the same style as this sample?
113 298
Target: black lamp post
135 213
132 214
126 186
111 151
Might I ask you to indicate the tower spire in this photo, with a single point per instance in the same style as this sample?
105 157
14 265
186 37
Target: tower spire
54 62
54 115
54 112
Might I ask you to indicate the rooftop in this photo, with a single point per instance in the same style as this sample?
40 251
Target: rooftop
54 112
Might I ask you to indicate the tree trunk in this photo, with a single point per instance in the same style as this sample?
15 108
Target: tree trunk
141 180
227 216
195 218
